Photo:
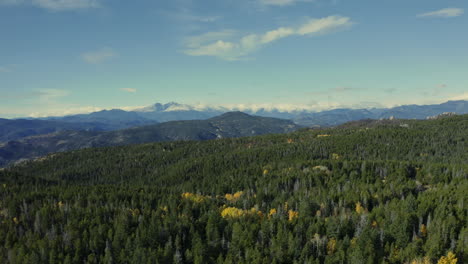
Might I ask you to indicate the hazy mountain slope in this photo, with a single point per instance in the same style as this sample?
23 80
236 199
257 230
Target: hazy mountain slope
233 124
13 129
340 116
113 119
424 111
336 117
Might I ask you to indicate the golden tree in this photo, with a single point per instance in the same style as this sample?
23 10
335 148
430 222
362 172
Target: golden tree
449 259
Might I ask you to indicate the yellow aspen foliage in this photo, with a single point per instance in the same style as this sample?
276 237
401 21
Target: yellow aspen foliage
197 198
272 213
15 220
449 259
290 140
336 156
237 195
232 212
265 172
60 204
324 135
233 197
374 224
359 208
292 215
423 230
318 213
331 246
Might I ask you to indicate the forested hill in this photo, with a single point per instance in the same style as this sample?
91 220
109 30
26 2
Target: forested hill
232 124
391 191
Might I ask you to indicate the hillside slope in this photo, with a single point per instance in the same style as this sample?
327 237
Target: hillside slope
14 129
233 124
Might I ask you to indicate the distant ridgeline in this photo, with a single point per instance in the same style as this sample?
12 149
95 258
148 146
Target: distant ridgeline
228 125
388 191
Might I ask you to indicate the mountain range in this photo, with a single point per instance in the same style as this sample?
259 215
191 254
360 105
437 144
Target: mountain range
228 125
175 111
32 138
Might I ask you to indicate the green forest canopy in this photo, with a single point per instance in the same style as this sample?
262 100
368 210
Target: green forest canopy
366 192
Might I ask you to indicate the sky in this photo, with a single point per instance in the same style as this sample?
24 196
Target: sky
60 57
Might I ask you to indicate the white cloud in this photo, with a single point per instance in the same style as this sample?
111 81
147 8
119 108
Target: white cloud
59 111
281 2
128 90
219 48
55 5
446 12
324 25
99 56
276 34
463 96
213 44
197 41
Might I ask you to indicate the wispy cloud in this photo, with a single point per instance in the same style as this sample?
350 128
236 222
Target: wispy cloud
198 41
463 96
55 5
95 57
446 12
64 111
217 46
282 2
128 90
72 110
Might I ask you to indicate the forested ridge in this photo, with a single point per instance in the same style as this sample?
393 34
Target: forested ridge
390 191
232 124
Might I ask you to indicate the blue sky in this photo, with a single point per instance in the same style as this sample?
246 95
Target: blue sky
70 56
